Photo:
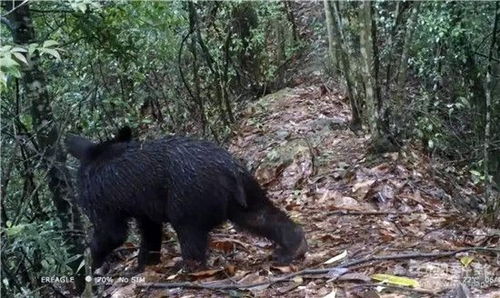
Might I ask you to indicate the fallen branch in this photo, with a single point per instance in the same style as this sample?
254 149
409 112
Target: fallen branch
414 290
347 212
319 271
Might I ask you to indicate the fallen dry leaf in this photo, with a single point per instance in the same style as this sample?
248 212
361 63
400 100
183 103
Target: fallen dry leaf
205 273
346 203
361 189
336 258
285 269
226 245
332 294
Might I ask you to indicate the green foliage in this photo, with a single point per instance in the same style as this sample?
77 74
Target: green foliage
32 238
432 59
11 59
444 105
84 5
445 36
14 57
41 244
445 56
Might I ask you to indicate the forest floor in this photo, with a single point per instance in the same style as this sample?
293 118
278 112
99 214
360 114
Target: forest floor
353 206
364 215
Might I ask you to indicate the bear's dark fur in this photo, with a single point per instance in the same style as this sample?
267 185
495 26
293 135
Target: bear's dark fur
192 184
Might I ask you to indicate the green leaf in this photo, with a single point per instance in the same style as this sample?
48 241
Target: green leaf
3 81
49 43
53 52
27 121
14 230
82 263
82 7
15 72
475 173
20 57
396 280
32 48
466 260
19 50
8 62
5 48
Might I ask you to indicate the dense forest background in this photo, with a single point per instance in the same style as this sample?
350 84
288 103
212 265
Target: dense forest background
414 74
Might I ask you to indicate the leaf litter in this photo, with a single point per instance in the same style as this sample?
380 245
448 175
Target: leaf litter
352 206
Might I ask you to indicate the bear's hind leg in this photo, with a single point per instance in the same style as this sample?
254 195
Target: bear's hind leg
193 241
150 250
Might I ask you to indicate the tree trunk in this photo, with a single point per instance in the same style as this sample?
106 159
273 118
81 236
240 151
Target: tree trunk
493 203
332 40
47 134
345 64
403 66
390 47
193 23
495 123
370 74
291 18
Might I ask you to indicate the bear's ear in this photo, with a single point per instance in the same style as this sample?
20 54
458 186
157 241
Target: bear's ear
80 147
124 134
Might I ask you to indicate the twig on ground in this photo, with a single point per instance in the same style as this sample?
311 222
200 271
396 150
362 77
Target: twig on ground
409 289
319 271
314 168
347 212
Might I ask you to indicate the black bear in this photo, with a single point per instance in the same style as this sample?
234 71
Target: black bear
192 184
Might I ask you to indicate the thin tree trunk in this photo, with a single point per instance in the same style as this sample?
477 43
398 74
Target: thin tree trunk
225 75
495 121
369 69
291 18
345 65
332 41
376 65
193 23
390 46
193 14
403 66
493 203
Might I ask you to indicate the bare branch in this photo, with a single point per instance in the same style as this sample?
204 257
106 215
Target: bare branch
320 271
14 8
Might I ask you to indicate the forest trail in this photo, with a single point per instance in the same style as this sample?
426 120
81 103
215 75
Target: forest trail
353 205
